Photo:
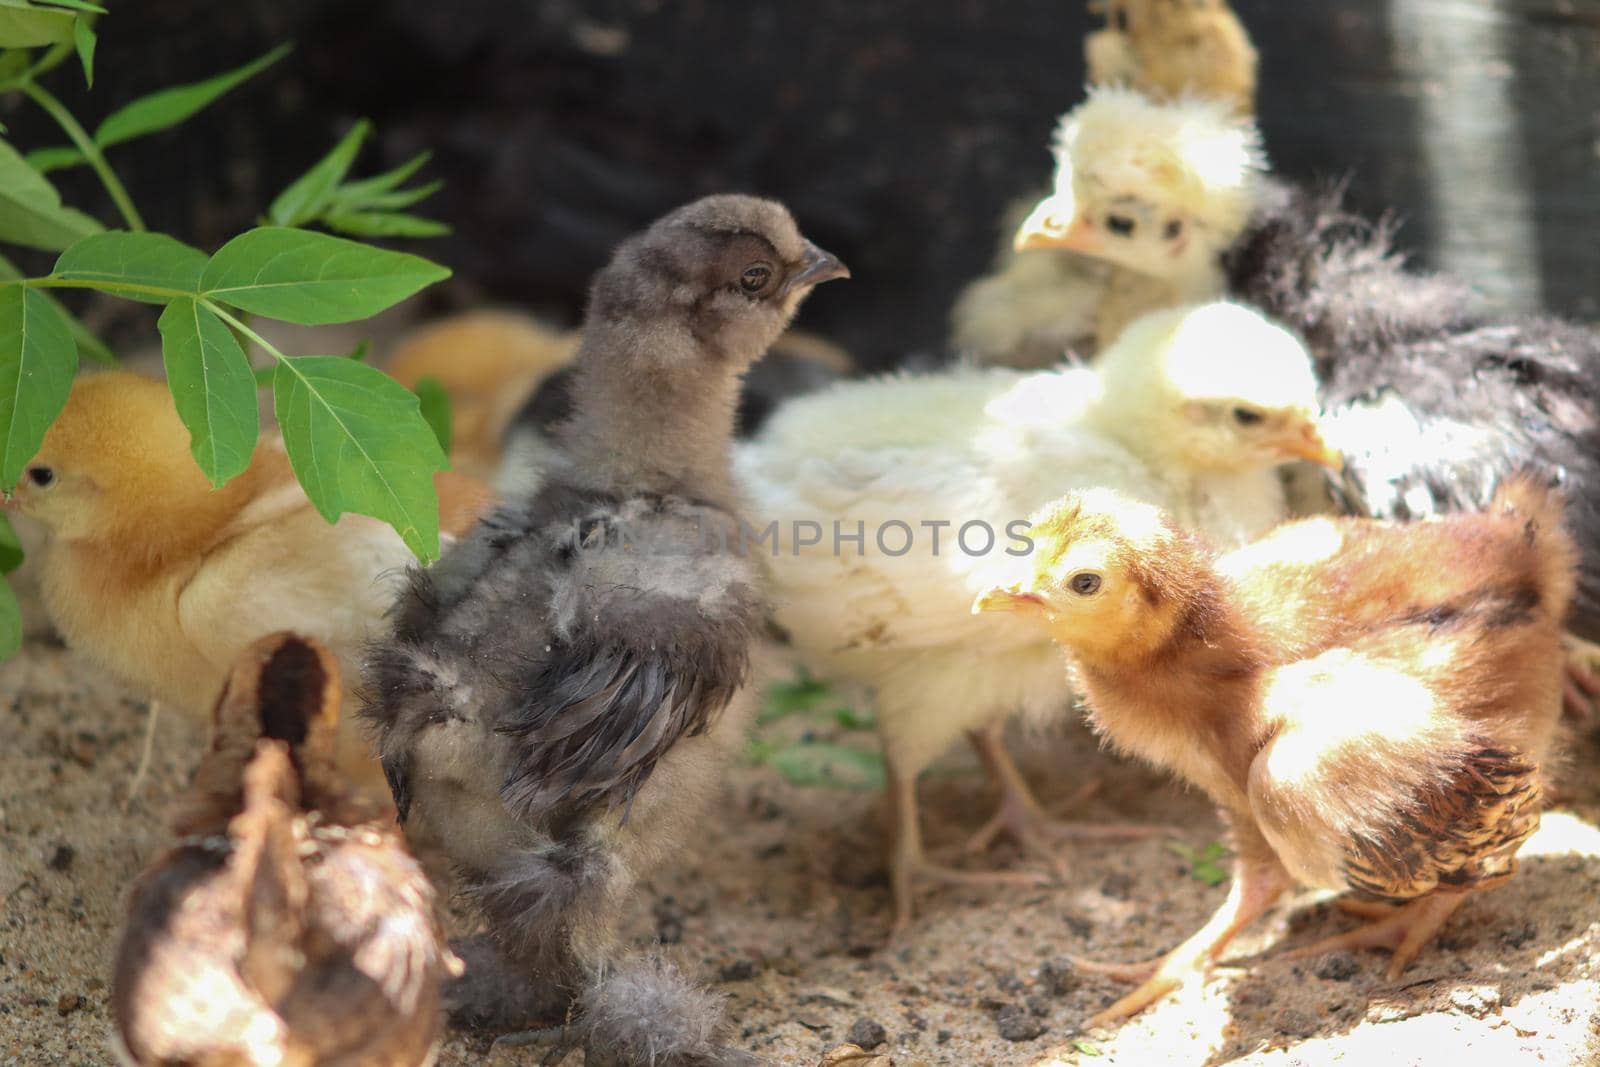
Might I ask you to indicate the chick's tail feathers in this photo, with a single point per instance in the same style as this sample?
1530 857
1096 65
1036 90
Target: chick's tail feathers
645 1013
266 864
1541 511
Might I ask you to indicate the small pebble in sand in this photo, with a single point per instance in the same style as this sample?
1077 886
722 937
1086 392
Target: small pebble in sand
1015 1024
1058 977
1337 967
68 1003
867 1033
61 859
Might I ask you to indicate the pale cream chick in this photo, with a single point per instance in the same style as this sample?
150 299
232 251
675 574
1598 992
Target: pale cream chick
163 581
1160 418
1174 48
1157 190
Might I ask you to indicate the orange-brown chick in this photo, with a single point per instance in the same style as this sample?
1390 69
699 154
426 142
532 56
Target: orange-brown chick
289 927
1369 704
164 581
488 363
1173 48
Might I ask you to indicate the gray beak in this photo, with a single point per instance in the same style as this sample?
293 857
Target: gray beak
816 267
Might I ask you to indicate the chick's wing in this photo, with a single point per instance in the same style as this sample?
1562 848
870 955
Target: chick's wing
652 610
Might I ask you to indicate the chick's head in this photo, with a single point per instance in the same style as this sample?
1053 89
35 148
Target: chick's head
1214 388
1158 188
1103 572
730 270
115 466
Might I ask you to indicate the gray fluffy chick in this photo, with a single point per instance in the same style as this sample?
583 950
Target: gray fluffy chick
562 691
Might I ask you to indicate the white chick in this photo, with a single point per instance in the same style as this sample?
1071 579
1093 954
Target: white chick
1190 410
1158 190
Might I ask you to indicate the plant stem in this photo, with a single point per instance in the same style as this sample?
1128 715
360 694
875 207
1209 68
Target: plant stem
91 151
114 288
47 62
239 324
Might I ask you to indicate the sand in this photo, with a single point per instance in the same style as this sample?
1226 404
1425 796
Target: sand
785 911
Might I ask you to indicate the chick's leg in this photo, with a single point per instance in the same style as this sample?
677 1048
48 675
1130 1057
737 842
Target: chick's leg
1256 884
1404 931
1021 816
908 861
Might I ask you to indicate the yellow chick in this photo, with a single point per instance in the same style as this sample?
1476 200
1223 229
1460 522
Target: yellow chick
1157 190
164 582
1174 48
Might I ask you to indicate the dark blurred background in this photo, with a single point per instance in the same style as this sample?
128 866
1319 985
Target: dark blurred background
897 130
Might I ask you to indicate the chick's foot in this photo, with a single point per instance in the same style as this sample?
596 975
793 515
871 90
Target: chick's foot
493 994
1021 817
1404 931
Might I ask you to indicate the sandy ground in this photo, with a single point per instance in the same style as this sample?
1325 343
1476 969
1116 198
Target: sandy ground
785 911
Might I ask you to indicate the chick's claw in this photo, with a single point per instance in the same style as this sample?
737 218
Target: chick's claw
1404 931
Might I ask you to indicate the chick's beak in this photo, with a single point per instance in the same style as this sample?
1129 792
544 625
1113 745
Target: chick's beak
1307 444
1053 224
816 267
1005 598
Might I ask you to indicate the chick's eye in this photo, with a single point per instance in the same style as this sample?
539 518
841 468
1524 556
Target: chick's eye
1085 583
755 277
1246 417
1121 225
1174 228
42 477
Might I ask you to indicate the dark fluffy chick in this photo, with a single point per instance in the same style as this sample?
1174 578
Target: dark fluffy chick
289 926
562 690
1432 399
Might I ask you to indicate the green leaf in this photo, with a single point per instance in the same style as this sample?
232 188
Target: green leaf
800 694
24 26
310 278
1087 1049
30 208
75 5
385 201
357 441
851 719
89 346
819 763
37 362
119 258
165 108
434 403
365 193
383 224
213 386
10 622
10 547
84 40
306 197
45 160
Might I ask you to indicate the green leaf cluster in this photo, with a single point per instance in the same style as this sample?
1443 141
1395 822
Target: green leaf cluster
1205 864
820 755
357 440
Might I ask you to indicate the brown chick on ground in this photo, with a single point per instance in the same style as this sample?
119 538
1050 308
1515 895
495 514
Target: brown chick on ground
1369 704
1174 48
289 927
164 582
488 363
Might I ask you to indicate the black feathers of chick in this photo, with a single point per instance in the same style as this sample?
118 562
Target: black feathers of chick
1483 395
560 694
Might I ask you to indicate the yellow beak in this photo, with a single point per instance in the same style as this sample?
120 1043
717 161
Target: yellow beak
1054 224
1005 598
1309 445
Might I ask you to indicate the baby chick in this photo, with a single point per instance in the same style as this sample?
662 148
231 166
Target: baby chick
1191 408
288 926
161 580
564 688
1031 310
1369 704
1157 190
1174 48
1172 191
488 363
